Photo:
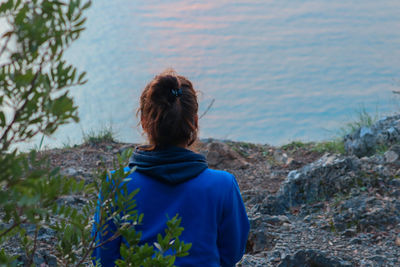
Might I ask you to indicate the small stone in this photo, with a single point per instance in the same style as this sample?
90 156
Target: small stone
350 232
391 156
283 218
355 240
378 258
70 172
275 220
397 240
289 161
286 226
280 156
307 218
51 260
328 160
259 240
46 233
395 148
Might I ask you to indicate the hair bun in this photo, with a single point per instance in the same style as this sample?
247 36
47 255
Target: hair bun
164 86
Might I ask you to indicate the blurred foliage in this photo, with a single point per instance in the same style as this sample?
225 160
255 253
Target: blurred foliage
33 74
34 100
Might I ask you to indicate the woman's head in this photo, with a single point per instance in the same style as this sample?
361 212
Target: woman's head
168 110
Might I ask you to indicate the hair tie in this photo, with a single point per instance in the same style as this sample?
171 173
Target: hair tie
177 92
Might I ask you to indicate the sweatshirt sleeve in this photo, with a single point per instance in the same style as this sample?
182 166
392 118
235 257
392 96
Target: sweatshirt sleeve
234 227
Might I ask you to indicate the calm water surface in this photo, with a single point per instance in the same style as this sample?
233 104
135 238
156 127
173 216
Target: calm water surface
278 70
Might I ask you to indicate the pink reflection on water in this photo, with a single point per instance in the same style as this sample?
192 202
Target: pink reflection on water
185 25
180 6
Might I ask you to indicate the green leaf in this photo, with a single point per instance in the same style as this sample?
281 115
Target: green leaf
21 15
158 246
87 5
71 8
80 23
2 119
17 4
6 6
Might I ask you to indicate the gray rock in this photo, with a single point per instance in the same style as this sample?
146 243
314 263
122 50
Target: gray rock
379 259
274 205
276 220
260 240
74 201
220 155
69 172
254 196
355 240
318 181
365 140
366 213
307 218
282 157
395 148
46 233
391 156
253 261
350 232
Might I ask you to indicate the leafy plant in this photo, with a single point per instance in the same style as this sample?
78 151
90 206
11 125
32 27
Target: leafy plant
34 101
34 82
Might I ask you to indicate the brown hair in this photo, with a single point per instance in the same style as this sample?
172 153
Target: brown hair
168 117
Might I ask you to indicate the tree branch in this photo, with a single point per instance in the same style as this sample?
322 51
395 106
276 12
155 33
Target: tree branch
17 113
88 250
115 236
30 261
5 45
11 228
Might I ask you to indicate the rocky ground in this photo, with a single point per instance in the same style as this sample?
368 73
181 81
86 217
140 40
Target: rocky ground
315 208
307 205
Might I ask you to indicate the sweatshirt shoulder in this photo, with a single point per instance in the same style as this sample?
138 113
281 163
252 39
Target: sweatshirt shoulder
218 176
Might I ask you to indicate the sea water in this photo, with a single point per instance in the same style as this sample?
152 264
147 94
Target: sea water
274 71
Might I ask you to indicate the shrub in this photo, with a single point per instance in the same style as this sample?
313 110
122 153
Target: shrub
104 135
363 118
34 100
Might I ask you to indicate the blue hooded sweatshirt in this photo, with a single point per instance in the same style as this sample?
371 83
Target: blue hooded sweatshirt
174 181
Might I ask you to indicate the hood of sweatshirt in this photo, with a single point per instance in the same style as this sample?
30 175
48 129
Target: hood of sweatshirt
171 165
